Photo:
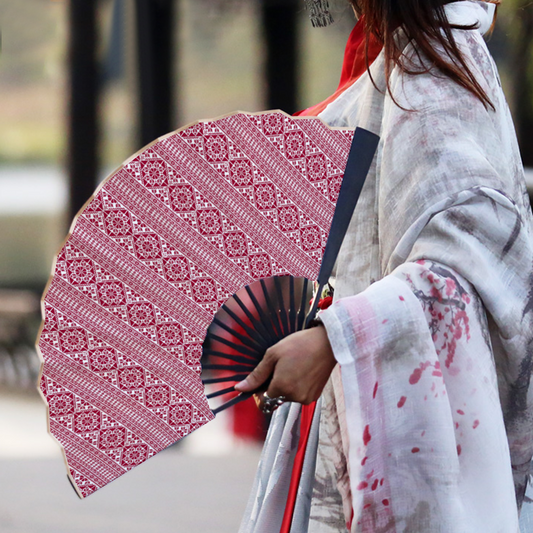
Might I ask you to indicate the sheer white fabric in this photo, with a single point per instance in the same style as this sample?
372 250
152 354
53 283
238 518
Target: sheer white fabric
444 204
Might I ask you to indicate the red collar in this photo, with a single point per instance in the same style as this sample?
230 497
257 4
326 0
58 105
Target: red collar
353 67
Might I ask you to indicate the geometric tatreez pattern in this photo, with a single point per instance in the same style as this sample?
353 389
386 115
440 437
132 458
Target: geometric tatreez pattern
162 244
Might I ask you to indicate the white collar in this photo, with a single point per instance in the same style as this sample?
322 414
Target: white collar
467 12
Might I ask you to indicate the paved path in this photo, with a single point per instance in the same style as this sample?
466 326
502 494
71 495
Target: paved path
199 487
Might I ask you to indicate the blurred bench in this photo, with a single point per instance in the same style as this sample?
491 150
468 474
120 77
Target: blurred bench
19 319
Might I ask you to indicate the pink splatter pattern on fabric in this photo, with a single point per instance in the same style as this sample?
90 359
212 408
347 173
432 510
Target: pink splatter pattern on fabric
366 435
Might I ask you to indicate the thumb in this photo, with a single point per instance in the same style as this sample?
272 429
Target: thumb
259 375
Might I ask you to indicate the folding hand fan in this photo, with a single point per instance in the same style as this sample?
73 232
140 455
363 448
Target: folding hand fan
261 314
165 241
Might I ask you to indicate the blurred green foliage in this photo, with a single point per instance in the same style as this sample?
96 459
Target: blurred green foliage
219 65
32 40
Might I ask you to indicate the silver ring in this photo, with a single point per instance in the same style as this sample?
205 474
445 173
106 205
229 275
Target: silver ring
271 404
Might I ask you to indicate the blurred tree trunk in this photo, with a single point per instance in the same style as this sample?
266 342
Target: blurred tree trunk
523 80
279 19
155 52
83 103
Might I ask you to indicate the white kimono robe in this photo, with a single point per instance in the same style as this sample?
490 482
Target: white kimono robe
426 424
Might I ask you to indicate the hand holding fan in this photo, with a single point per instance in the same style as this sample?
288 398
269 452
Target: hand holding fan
263 313
165 241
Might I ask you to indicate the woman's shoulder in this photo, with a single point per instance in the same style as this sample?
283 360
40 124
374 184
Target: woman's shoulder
427 90
421 86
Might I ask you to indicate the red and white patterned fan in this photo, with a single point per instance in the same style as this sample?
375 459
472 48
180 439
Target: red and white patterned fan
164 242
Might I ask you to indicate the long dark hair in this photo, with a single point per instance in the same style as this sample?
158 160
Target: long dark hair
424 23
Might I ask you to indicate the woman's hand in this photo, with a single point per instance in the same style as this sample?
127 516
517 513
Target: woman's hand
300 366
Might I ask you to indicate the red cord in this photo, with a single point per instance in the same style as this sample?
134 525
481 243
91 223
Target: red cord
306 419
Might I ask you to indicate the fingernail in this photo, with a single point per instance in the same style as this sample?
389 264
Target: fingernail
242 384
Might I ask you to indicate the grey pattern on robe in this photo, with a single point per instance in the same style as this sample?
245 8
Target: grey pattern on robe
447 185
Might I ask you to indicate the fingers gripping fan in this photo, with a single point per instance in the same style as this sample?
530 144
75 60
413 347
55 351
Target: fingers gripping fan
252 320
167 239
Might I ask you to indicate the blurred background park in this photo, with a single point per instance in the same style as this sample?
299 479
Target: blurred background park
84 84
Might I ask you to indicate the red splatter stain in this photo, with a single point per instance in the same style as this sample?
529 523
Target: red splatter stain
401 402
366 435
364 461
385 321
415 376
436 293
450 286
423 433
457 425
363 485
433 387
459 449
368 476
367 505
375 484
415 450
385 502
436 373
460 412
475 424
375 390
382 480
349 523
402 298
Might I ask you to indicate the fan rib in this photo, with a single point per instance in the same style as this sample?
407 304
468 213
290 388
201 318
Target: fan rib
275 323
231 357
292 306
259 324
220 392
245 340
240 398
303 305
235 346
265 320
254 333
281 312
236 368
224 379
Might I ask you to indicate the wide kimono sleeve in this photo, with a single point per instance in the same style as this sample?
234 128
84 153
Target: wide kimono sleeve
435 362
